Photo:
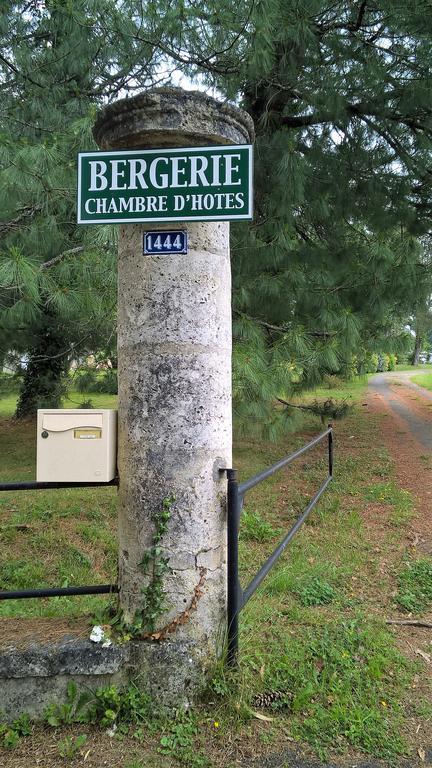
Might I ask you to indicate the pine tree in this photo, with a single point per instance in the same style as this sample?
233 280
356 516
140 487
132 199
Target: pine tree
59 61
339 92
332 264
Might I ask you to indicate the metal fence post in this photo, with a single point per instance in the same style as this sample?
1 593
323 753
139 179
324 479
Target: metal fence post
232 558
330 449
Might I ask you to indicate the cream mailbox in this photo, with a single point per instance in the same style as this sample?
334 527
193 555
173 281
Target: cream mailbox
76 445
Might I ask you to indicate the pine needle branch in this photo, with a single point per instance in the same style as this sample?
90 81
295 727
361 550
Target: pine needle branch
283 328
329 408
26 212
61 256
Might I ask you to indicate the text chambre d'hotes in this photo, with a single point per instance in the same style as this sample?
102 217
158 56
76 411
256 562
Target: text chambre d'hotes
209 174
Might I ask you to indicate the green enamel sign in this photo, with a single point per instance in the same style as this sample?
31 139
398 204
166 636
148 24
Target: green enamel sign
191 184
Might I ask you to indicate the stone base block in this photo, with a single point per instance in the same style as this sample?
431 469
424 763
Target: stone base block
35 670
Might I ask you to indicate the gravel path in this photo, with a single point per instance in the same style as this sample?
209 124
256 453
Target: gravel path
408 401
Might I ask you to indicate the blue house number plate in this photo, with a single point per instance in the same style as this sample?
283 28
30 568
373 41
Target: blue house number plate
166 241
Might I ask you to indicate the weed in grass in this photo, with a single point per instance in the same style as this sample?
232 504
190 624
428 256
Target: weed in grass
255 528
267 737
310 583
179 741
71 745
10 735
415 586
400 499
345 681
105 706
315 591
20 574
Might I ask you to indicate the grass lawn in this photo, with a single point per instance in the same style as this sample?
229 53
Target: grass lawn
420 367
313 639
56 537
424 380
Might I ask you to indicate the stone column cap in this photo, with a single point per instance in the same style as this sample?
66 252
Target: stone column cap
171 117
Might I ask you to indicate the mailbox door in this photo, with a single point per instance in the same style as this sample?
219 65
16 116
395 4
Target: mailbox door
72 446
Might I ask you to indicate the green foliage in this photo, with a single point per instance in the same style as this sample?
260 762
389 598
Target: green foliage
179 741
90 381
330 409
86 381
105 706
108 383
392 360
58 70
337 256
73 710
155 565
317 591
254 527
415 586
9 383
70 746
10 735
341 688
86 404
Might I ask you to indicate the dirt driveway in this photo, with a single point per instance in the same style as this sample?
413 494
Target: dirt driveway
411 404
407 433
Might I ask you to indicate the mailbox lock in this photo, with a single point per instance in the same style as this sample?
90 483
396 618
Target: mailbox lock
45 434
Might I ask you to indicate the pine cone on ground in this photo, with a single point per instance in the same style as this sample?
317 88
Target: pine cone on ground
267 698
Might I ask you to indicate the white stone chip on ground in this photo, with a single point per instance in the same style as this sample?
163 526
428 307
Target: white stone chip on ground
97 634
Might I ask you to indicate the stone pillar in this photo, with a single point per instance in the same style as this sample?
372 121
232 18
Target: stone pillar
174 353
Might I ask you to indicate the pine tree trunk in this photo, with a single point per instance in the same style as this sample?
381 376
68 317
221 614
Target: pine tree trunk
417 349
44 378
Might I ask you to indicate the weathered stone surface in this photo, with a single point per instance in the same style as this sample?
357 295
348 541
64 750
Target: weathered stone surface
174 352
175 416
69 657
168 671
33 695
37 676
171 117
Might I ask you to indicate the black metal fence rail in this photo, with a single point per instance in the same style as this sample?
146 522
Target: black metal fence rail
237 597
90 589
34 486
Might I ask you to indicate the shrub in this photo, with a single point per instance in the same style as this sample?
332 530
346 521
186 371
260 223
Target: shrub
90 382
392 362
108 383
315 591
86 381
383 362
9 383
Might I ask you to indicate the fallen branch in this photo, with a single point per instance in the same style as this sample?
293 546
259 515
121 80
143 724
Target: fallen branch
410 622
294 405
